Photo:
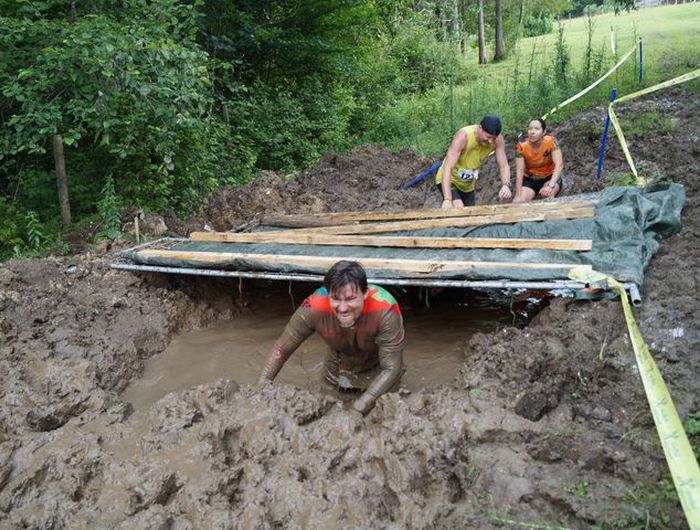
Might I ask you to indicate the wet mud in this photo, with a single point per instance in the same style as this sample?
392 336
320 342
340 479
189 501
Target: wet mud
237 348
543 422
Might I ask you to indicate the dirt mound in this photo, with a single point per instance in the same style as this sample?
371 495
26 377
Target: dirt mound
545 425
367 179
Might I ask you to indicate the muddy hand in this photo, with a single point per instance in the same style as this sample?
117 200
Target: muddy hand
504 193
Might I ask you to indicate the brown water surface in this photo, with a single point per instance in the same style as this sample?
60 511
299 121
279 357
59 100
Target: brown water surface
238 349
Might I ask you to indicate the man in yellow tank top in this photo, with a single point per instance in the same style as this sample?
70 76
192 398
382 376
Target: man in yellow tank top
470 146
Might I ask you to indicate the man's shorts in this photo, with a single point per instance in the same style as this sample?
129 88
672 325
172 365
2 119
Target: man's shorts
537 184
467 197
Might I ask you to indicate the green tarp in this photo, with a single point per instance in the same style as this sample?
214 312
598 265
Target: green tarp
626 229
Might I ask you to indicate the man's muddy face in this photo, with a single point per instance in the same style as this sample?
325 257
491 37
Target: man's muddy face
347 303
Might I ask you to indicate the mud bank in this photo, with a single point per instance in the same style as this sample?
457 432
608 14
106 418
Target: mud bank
544 424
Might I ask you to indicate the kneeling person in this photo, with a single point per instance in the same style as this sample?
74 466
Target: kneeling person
538 164
363 327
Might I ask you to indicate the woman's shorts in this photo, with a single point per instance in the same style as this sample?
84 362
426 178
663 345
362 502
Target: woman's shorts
537 184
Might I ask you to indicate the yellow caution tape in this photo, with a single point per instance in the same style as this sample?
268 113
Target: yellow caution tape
671 82
677 450
623 144
591 87
618 130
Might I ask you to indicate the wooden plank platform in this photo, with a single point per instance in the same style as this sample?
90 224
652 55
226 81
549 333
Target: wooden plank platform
338 218
294 237
406 266
453 222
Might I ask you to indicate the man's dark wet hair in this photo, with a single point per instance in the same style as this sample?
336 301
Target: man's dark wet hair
542 123
345 273
491 124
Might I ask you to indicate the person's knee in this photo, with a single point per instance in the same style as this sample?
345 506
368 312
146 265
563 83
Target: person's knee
525 195
457 203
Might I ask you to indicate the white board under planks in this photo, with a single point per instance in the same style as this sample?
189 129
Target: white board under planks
406 266
336 218
293 237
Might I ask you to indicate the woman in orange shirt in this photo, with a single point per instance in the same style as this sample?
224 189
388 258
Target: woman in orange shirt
538 164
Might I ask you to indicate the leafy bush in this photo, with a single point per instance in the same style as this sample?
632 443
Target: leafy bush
10 232
108 208
291 130
126 88
538 24
35 237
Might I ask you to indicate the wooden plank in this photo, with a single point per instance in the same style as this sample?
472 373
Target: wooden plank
453 222
294 238
331 218
408 266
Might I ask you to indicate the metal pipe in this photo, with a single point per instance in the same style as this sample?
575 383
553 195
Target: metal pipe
417 282
634 295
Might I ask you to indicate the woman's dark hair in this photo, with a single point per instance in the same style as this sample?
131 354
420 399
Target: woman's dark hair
345 273
542 123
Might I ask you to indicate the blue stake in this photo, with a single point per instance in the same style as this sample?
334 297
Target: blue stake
601 153
422 176
641 62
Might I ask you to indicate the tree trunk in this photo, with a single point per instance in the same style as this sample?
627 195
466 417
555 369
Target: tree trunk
500 44
482 42
464 36
61 180
456 34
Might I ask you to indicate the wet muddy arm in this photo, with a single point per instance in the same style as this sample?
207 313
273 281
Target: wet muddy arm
300 326
390 342
519 174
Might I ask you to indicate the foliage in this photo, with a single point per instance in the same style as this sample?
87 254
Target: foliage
293 130
286 42
174 99
10 233
35 237
691 424
108 209
538 24
128 86
581 7
561 58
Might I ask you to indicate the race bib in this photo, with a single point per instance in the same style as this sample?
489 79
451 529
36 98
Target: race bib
467 175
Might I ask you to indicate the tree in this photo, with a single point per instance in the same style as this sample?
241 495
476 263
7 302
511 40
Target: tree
500 52
482 40
128 86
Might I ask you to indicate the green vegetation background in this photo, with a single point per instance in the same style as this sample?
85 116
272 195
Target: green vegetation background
161 102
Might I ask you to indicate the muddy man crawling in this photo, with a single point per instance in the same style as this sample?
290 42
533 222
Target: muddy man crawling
363 327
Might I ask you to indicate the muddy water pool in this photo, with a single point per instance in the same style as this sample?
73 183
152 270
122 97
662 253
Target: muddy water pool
237 349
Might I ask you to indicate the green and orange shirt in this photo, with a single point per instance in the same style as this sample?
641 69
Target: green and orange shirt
538 160
375 341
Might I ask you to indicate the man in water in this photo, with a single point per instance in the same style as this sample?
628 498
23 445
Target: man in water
470 146
363 327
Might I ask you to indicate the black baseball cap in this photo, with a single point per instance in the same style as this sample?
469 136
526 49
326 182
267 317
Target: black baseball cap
491 124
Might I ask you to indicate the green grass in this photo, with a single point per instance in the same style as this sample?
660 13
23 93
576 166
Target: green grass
670 37
524 85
